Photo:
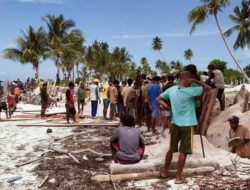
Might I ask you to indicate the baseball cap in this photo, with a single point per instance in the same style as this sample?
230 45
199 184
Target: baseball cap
233 118
96 80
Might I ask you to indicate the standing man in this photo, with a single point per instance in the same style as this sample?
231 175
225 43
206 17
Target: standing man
44 98
94 97
216 79
153 92
125 92
182 99
105 99
242 149
113 98
146 106
70 103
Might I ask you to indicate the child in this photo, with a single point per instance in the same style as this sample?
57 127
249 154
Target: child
11 103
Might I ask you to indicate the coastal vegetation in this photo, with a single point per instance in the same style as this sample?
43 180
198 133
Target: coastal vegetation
59 40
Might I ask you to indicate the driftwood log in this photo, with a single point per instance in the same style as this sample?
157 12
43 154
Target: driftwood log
146 167
149 174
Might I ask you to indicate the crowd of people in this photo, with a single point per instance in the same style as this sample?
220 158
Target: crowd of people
172 101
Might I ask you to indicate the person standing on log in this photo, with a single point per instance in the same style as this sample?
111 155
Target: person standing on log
216 80
44 98
182 99
241 133
127 144
94 97
70 103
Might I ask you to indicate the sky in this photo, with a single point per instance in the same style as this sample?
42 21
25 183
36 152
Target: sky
123 23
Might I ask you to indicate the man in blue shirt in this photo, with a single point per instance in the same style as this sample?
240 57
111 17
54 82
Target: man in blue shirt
182 99
153 92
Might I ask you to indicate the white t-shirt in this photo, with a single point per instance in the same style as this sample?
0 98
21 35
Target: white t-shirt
93 88
218 79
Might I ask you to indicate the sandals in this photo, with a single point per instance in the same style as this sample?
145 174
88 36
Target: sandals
161 174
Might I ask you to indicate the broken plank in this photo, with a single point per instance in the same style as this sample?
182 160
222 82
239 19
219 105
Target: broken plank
17 119
28 162
43 182
71 125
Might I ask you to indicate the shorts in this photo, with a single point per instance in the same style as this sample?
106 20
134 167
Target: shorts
105 102
183 134
120 107
147 111
155 110
81 101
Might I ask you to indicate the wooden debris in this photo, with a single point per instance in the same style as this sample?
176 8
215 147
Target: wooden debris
28 162
43 182
150 174
71 125
92 151
62 151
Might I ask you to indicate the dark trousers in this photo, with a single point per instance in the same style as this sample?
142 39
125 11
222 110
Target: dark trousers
43 108
94 104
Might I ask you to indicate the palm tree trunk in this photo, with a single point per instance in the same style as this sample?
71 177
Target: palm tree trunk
77 70
230 52
162 56
58 66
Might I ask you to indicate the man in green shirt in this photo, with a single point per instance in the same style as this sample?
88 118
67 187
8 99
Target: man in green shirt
182 99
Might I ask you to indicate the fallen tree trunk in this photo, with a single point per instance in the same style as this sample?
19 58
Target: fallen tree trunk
150 174
145 167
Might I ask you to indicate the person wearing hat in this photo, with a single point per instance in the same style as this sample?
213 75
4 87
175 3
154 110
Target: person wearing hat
94 97
238 132
44 98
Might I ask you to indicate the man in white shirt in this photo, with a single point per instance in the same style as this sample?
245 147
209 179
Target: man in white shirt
94 96
216 78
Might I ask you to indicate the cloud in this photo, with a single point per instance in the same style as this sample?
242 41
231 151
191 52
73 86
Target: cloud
164 35
37 1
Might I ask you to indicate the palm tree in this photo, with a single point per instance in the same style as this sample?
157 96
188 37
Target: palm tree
242 20
157 45
98 57
188 54
176 65
145 65
120 60
30 48
211 7
162 66
72 52
58 28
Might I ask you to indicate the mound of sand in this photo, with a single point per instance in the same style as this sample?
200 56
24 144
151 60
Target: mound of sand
218 131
